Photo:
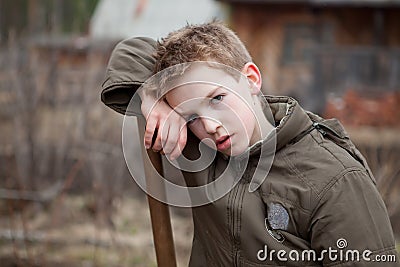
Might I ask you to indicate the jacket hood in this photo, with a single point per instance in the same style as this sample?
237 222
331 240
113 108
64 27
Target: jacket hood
131 63
289 119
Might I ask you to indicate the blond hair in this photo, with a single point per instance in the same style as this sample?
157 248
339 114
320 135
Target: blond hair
211 41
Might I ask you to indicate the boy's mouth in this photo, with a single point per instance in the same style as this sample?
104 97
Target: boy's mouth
223 142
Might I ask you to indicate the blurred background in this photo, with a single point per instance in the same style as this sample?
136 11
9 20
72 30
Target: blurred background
66 196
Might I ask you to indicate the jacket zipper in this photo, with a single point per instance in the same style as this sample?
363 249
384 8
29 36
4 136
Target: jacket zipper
236 214
236 259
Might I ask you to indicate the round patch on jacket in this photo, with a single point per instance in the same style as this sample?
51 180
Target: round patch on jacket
278 217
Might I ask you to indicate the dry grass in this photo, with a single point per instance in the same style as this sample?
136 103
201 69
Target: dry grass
67 234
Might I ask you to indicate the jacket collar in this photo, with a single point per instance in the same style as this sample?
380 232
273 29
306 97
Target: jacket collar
292 123
290 120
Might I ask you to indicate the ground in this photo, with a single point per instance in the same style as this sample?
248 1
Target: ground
67 233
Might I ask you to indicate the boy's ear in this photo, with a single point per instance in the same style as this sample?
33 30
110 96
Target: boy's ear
251 71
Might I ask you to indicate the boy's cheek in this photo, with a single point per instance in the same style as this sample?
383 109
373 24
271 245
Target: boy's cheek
198 131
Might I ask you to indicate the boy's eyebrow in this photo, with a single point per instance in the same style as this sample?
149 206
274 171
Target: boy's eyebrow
213 91
184 114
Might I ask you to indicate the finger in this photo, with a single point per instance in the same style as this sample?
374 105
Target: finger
180 144
172 139
157 146
164 133
149 132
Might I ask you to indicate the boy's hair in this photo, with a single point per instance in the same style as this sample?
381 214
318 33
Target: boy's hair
211 41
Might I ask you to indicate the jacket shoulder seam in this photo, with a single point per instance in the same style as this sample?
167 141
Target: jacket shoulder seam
321 144
314 191
293 168
336 178
333 181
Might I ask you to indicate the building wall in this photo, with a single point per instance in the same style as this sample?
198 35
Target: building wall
282 40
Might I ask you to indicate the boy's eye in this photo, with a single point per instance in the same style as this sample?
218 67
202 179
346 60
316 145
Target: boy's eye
216 99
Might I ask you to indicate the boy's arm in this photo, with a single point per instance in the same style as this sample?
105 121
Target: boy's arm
131 64
351 216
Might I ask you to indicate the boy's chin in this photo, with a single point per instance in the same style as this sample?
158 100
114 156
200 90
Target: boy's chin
230 152
233 152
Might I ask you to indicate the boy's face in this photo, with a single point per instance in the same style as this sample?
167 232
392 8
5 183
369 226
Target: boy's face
223 116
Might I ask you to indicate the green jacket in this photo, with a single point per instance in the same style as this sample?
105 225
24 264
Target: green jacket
318 194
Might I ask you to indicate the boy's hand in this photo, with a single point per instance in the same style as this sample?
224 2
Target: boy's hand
168 125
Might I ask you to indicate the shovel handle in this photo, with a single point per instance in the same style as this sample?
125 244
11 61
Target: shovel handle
159 212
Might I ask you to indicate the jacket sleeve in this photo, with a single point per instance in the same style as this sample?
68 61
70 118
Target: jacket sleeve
131 63
351 218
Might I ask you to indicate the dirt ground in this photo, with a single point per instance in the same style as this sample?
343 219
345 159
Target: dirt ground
67 232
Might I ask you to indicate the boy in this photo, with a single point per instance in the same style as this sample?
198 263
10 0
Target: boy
318 204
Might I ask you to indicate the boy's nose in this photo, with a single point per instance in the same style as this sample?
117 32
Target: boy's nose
210 125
